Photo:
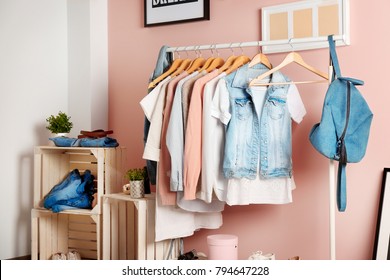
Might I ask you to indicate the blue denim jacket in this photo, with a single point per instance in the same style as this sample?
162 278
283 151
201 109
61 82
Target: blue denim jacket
252 140
164 59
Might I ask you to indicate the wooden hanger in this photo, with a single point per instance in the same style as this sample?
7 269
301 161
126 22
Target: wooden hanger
206 64
183 66
216 63
260 58
237 63
175 64
291 57
196 64
227 64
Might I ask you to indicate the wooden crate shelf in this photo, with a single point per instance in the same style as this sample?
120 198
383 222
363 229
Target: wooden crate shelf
129 229
53 164
78 229
53 233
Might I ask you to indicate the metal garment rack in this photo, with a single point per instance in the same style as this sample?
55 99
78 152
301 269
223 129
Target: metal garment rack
291 42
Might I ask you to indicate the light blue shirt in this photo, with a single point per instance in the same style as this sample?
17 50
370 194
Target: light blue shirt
175 137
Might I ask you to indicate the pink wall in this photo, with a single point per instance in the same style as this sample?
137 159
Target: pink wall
300 228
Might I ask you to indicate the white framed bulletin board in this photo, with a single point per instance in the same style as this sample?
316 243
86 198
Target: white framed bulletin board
305 20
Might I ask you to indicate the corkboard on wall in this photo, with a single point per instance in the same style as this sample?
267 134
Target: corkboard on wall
305 20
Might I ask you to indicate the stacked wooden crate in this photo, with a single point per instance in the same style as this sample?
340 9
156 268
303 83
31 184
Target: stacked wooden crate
81 229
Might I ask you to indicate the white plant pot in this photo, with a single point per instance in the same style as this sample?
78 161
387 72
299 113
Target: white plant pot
64 134
137 189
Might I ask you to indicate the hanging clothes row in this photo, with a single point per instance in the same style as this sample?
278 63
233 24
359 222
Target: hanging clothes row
221 133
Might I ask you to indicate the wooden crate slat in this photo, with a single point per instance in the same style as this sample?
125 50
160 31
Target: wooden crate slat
82 166
62 231
86 158
82 227
122 234
131 232
81 219
87 254
83 235
82 244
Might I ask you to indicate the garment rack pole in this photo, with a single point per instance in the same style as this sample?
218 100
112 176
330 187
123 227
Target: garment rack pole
291 42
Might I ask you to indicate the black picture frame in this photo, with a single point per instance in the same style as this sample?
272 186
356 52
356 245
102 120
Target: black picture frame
162 12
382 237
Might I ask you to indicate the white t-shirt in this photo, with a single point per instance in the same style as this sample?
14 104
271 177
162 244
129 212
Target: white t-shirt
213 181
153 107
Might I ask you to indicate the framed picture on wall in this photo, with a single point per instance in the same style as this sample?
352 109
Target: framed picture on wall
160 12
382 237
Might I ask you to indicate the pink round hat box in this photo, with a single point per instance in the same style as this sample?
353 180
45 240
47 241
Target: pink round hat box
222 247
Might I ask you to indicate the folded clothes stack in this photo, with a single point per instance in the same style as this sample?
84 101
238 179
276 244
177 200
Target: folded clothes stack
95 138
98 133
74 192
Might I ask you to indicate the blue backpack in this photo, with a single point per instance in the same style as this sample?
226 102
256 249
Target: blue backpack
343 131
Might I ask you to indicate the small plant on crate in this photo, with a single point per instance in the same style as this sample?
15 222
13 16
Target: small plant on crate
135 174
136 177
59 124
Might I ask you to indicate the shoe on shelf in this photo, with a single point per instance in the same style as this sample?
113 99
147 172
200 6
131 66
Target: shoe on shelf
73 255
258 255
58 256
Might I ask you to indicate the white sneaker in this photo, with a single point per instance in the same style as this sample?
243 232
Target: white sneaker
73 255
258 255
58 256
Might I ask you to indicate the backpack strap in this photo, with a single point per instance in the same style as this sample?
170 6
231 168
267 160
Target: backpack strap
333 57
341 187
342 158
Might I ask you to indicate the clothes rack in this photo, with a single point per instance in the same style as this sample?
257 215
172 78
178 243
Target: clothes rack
291 42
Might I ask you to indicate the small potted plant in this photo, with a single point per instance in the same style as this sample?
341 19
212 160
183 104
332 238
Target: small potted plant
136 178
60 124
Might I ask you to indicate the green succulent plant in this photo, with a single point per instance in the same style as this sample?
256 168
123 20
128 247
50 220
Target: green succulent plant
59 124
135 174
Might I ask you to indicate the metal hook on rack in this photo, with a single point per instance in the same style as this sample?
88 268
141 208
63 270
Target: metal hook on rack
216 50
242 51
231 49
211 50
197 52
185 49
290 43
177 52
260 48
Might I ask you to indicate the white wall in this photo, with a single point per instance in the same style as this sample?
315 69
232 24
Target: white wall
37 79
33 85
88 64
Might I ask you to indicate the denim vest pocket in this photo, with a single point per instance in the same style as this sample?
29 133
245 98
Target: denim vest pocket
243 108
276 107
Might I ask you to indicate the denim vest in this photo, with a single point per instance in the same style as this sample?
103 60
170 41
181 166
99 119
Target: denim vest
164 59
252 140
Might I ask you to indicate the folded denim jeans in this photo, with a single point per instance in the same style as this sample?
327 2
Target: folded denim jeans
98 142
84 142
66 190
83 201
73 175
72 188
